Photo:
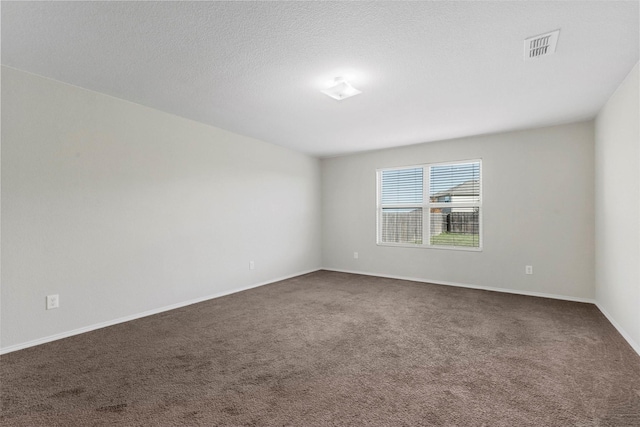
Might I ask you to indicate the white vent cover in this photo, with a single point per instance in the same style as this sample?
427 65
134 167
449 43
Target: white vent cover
542 45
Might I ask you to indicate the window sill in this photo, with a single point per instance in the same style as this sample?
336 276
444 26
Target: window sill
446 248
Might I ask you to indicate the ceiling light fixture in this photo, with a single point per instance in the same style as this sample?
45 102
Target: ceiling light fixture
341 90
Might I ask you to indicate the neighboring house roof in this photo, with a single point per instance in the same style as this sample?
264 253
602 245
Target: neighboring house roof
467 188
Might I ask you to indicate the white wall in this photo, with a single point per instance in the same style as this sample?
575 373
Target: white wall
538 209
617 187
122 209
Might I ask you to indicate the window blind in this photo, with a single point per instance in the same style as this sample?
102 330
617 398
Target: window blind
446 214
459 183
402 186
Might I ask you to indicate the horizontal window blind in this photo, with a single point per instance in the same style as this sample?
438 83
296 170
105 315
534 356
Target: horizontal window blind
459 183
446 214
402 186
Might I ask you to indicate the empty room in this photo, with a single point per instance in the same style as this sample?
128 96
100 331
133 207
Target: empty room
320 213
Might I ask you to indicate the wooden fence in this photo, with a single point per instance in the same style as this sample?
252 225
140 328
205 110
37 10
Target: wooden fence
406 227
402 227
460 222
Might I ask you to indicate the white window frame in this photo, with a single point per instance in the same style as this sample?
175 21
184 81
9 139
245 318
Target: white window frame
426 206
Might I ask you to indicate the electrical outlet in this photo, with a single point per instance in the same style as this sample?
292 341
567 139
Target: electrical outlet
252 265
355 255
528 269
53 301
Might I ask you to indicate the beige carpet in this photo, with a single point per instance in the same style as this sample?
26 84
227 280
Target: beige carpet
333 349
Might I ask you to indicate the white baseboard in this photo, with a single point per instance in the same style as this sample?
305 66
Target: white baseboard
101 325
464 285
634 345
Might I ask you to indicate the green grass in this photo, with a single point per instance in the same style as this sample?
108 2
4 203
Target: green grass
456 239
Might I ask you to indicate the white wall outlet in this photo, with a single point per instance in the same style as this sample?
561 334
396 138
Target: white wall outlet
355 255
53 301
528 269
252 265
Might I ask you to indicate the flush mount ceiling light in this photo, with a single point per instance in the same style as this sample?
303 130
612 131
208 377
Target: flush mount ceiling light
341 90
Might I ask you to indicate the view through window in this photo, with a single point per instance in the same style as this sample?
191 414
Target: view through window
432 205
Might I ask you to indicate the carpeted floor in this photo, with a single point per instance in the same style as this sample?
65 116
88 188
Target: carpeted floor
334 349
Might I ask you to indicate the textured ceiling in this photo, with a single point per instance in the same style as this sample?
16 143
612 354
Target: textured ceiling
428 70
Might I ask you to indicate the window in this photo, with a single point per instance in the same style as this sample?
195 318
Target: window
433 205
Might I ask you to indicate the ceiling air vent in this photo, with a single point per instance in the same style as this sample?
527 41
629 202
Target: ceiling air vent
542 45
